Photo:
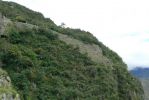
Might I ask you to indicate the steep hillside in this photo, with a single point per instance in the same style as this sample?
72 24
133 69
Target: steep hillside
48 62
17 12
143 75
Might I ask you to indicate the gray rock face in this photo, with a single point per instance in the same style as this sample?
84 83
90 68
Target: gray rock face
6 90
93 50
3 23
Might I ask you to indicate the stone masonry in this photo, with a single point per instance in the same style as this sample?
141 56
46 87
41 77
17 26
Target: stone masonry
1 24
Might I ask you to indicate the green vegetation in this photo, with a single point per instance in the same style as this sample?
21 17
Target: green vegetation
20 19
23 14
88 38
84 36
16 12
42 67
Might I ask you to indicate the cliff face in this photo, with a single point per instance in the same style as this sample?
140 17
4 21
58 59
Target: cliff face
1 23
48 62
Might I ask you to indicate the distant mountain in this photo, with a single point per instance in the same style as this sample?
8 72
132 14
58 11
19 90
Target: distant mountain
143 75
140 72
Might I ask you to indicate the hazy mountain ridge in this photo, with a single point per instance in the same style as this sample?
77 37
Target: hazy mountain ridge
143 74
43 65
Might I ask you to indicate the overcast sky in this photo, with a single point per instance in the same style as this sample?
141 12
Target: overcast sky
122 25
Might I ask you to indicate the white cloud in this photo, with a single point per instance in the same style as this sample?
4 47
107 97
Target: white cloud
123 25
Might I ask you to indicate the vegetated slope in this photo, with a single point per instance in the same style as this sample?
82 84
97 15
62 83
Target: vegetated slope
16 12
44 67
143 75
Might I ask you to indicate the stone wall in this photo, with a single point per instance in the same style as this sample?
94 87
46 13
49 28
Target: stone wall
93 50
1 23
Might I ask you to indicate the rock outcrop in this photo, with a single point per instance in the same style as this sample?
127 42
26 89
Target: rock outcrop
6 90
3 23
92 50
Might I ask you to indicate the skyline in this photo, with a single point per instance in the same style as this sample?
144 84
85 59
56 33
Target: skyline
123 26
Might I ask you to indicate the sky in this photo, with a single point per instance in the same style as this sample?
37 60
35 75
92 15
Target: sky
122 25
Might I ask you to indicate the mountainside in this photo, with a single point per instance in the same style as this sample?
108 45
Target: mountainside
48 62
143 75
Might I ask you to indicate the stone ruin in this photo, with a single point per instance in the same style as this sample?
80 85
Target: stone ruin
1 24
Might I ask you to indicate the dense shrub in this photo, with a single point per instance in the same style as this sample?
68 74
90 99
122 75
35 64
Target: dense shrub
20 19
20 13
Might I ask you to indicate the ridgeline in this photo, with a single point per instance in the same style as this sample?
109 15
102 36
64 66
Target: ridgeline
48 62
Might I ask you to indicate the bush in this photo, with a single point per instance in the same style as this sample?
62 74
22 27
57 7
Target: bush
20 19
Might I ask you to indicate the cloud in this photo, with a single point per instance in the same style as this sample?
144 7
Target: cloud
146 40
122 25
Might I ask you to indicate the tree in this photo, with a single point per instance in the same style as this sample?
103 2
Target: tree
63 25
